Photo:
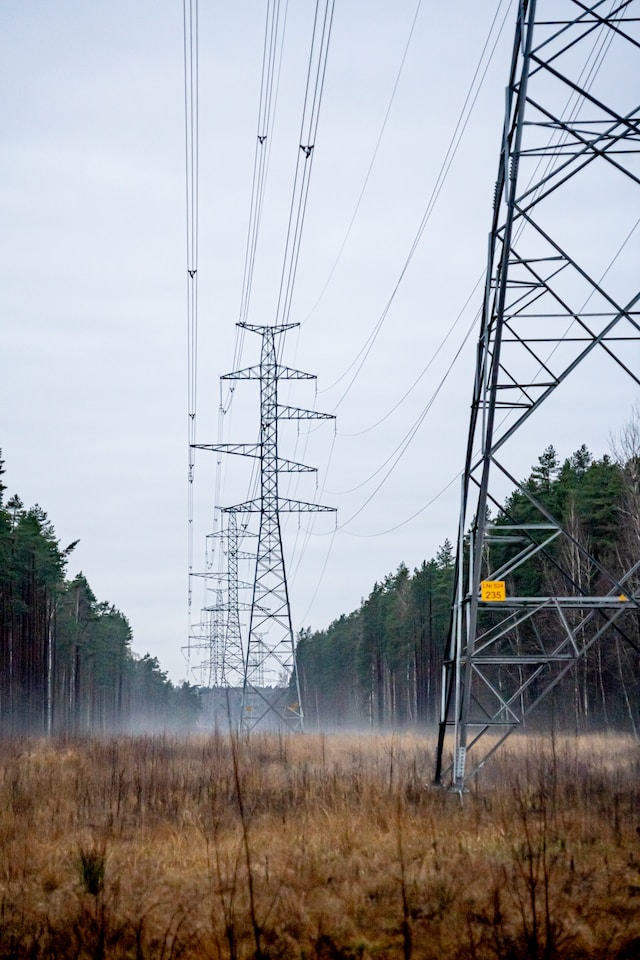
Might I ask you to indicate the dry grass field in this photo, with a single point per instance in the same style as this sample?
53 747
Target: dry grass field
317 846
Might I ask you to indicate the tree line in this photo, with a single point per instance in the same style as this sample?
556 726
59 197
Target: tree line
381 664
66 663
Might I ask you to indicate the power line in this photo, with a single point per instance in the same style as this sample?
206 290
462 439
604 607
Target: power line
441 178
371 163
403 523
404 444
316 72
502 422
450 154
593 72
591 75
272 50
190 55
425 369
273 41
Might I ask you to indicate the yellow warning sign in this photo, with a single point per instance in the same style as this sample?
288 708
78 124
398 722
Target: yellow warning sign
492 591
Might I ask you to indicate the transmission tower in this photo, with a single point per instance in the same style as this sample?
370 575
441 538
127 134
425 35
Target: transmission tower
270 646
561 295
232 656
233 672
208 637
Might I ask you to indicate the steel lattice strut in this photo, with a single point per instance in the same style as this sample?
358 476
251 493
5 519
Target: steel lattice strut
561 291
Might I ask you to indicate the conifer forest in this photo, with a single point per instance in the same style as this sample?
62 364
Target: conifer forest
380 665
66 664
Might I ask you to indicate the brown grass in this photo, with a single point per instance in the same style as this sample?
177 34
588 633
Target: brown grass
330 847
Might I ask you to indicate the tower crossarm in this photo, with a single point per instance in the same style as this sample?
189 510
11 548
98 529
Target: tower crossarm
249 506
225 607
242 449
248 373
210 574
240 584
285 505
301 506
279 373
255 450
604 602
288 373
297 413
290 466
275 329
223 535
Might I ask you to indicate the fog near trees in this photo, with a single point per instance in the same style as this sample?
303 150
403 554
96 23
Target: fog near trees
67 666
66 663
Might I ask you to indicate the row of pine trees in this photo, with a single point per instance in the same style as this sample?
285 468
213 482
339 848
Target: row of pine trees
67 667
66 663
381 664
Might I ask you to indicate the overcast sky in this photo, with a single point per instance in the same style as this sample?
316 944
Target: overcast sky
93 304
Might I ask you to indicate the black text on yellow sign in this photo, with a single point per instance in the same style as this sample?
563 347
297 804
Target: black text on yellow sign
492 591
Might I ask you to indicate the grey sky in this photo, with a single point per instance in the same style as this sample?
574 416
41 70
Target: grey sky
93 292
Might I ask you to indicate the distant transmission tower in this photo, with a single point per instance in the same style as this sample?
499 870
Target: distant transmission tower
561 292
233 660
208 636
217 637
270 653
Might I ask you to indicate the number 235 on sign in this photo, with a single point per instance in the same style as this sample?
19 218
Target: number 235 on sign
493 590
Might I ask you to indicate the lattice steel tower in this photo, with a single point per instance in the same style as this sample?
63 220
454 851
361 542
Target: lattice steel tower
230 655
270 644
561 295
207 636
233 656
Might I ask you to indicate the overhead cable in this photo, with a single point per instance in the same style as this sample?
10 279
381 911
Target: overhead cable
371 164
190 53
593 69
409 435
450 154
272 48
305 151
426 368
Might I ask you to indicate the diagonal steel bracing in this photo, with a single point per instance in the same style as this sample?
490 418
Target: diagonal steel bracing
562 288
